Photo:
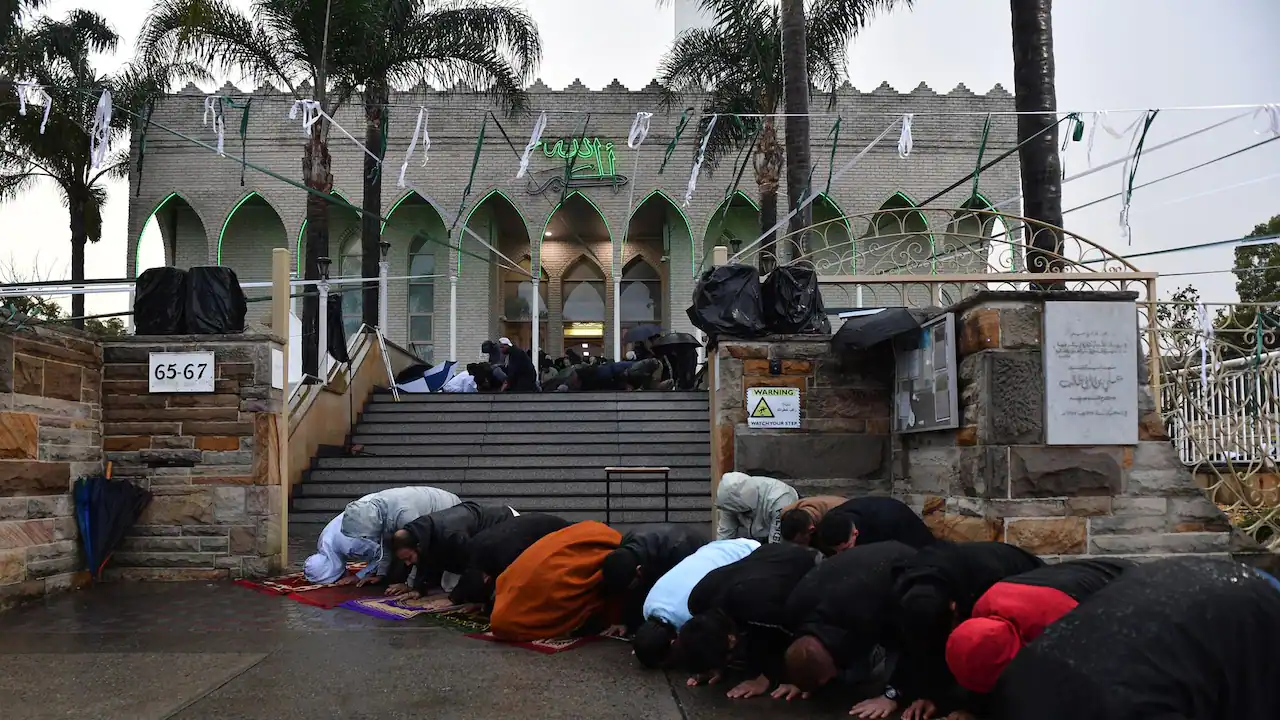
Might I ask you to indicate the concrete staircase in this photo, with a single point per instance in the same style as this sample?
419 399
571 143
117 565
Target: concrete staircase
535 452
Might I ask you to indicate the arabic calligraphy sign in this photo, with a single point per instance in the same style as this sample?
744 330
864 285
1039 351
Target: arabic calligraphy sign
1091 373
590 161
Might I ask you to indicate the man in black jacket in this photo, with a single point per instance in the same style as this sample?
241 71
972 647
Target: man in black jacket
522 376
439 543
871 519
647 553
493 550
739 612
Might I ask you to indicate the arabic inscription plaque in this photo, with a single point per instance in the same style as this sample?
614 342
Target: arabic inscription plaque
1091 373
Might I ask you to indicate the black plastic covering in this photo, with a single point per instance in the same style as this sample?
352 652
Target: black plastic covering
159 302
793 302
215 303
337 330
865 331
726 301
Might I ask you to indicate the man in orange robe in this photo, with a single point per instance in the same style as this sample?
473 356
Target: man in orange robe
553 588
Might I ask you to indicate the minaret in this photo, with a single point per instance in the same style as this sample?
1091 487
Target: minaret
689 14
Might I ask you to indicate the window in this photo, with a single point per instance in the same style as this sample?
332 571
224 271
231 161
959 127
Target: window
422 300
352 297
584 293
517 306
641 295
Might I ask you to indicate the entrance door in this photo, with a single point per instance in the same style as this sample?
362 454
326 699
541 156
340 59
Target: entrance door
583 290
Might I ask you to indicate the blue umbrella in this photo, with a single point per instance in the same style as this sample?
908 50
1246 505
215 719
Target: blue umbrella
105 510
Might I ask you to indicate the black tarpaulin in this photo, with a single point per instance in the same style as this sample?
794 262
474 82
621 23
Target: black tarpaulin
872 327
215 303
727 301
793 302
337 339
159 302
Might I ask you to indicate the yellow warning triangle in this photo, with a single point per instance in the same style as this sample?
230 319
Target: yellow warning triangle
762 410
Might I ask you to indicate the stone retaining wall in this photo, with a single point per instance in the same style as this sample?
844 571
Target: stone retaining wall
50 434
210 460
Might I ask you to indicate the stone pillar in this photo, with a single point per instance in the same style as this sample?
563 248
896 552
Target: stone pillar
210 460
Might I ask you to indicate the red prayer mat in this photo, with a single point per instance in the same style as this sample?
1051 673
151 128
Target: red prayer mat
550 646
297 583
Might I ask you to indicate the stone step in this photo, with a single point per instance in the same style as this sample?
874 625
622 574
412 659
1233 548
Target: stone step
552 475
333 506
513 461
413 436
551 418
411 448
570 426
352 489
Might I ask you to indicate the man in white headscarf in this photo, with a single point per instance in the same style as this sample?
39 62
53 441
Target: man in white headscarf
751 507
334 551
374 518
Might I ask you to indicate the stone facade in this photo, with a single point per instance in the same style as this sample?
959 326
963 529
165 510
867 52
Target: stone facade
207 214
210 460
50 434
843 444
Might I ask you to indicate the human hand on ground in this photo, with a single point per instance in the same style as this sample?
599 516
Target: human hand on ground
370 580
920 710
875 708
615 631
750 688
707 679
411 595
789 692
396 589
346 580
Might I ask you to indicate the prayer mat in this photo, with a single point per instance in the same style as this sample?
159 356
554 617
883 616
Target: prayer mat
392 609
329 597
550 646
291 584
459 620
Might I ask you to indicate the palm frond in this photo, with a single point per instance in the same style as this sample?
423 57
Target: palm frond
216 35
15 185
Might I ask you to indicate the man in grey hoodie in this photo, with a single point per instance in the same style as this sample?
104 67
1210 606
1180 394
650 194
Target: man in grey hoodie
377 516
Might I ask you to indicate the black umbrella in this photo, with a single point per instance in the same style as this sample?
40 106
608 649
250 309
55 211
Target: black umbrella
105 510
640 333
874 327
676 339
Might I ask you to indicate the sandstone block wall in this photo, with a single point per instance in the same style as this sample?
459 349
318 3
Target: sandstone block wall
210 460
50 434
843 443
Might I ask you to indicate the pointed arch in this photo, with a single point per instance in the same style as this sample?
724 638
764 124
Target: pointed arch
560 206
721 218
491 194
641 297
137 241
302 232
838 210
226 223
660 195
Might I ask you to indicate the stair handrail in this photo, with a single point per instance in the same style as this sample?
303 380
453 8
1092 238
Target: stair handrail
386 361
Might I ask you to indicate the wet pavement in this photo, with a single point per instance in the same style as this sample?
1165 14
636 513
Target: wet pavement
214 650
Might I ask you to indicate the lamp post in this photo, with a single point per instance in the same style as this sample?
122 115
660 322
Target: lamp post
384 271
322 287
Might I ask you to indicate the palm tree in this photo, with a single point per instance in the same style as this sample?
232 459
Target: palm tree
479 44
1034 92
739 64
11 14
56 54
286 43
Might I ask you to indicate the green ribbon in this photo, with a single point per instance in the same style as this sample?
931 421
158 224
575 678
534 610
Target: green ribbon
1077 133
376 172
568 164
982 150
1133 169
675 139
142 144
466 192
833 133
244 129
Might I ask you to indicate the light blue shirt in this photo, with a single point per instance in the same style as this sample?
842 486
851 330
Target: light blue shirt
669 599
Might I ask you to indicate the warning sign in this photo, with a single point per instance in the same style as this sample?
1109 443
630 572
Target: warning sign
770 407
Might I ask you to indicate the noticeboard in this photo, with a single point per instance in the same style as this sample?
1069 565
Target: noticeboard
925 395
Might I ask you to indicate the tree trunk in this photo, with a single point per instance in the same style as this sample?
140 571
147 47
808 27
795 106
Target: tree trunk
768 164
375 104
1034 91
795 84
316 168
79 239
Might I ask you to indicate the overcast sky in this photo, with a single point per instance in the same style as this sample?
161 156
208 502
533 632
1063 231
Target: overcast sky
1111 55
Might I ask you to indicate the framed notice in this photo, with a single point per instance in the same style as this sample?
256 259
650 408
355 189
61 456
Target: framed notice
1091 373
925 390
773 407
180 372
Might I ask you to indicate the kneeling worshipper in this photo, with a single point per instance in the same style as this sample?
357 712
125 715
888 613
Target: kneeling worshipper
871 519
492 551
751 507
553 588
841 615
1016 611
373 518
739 613
1173 639
646 554
799 522
437 547
333 551
934 592
666 607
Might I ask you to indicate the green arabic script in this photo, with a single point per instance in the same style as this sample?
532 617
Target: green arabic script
592 157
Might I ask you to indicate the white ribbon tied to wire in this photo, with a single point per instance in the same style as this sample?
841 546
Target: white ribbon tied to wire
419 133
535 137
905 141
213 106
697 163
100 134
25 88
639 129
1205 331
1271 112
310 114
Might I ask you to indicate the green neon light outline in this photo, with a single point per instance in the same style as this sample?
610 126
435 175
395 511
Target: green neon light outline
137 243
714 213
844 218
986 205
556 209
302 234
912 207
483 200
227 223
601 152
688 226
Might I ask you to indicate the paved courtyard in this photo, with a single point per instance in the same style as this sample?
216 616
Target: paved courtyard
215 650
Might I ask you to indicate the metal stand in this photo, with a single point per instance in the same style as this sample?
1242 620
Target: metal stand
609 474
